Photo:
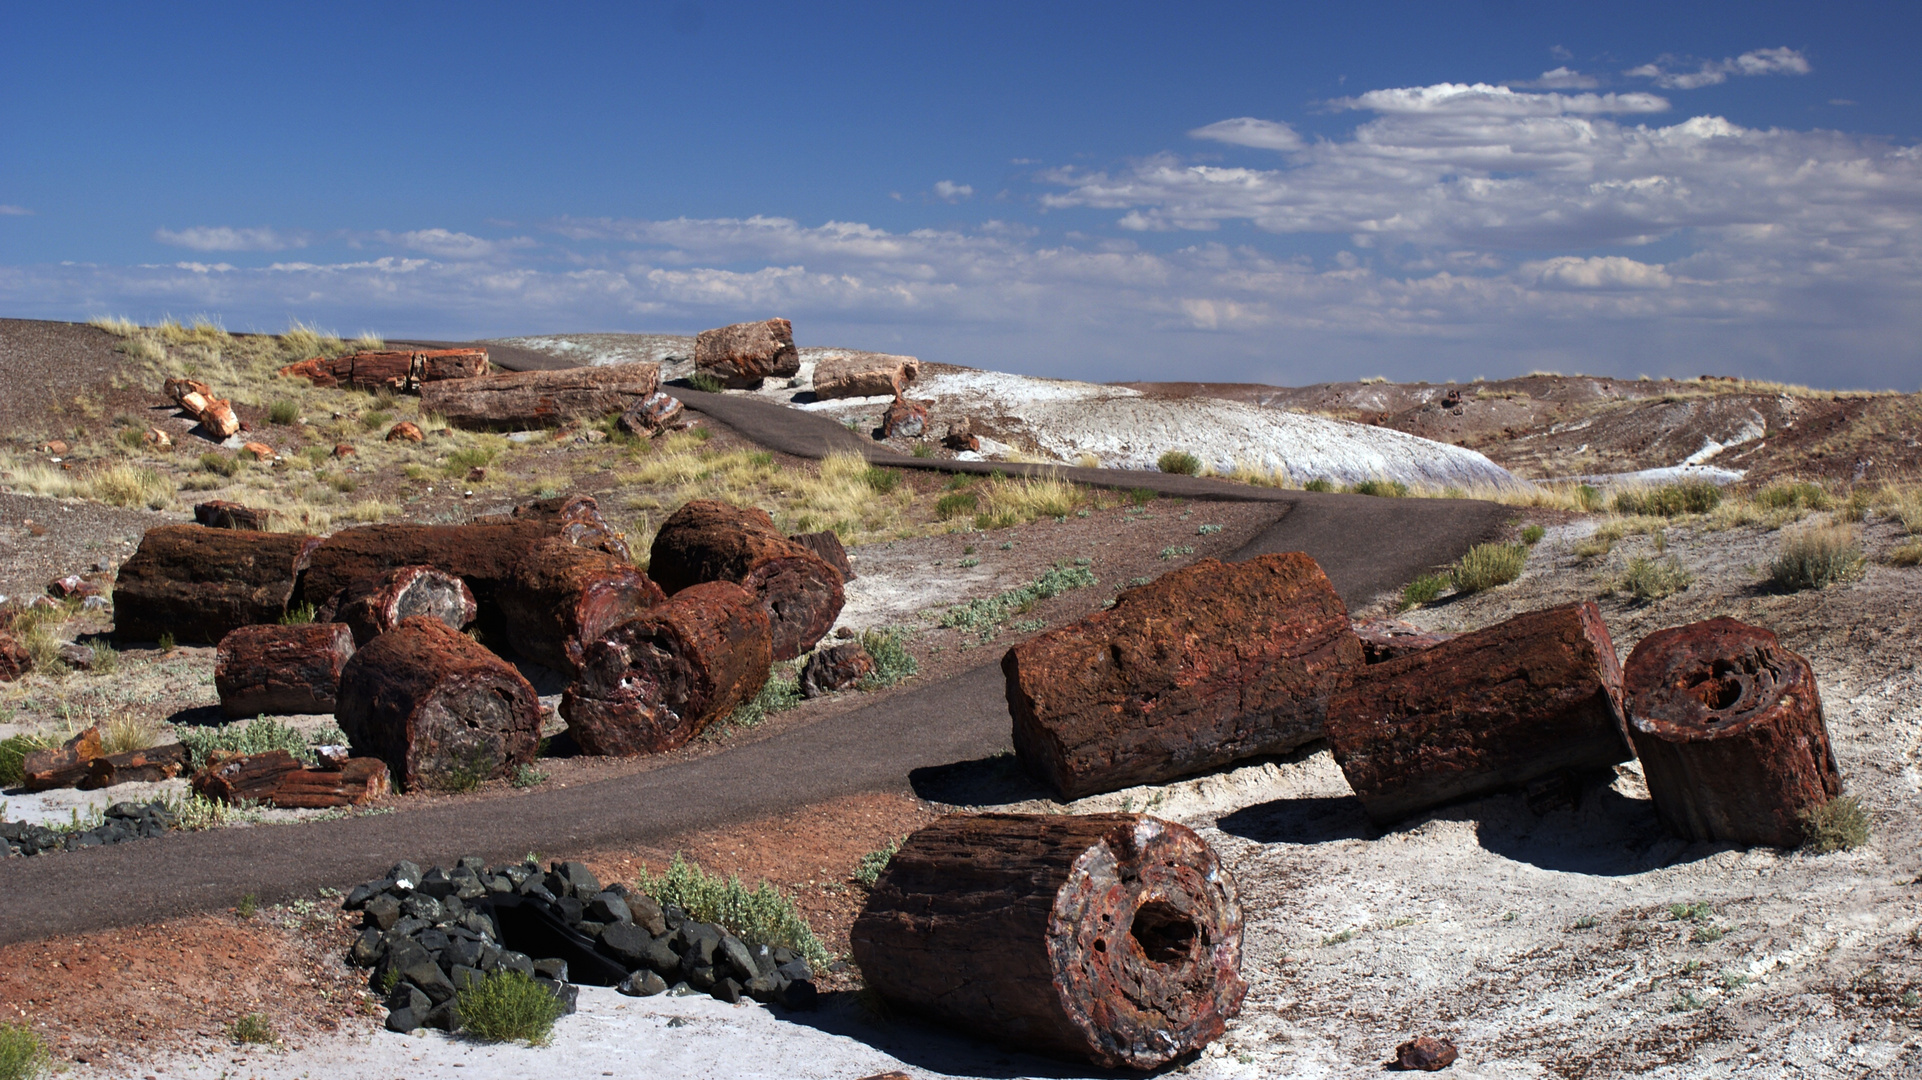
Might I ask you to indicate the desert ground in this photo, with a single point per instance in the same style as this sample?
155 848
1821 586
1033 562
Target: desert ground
1571 938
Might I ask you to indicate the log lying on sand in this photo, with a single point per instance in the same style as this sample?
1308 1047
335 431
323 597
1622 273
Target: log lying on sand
533 399
745 353
864 375
1728 725
371 606
281 669
1110 937
1204 666
440 710
146 766
709 540
657 680
199 584
357 781
1537 695
396 370
561 596
64 765
221 514
232 778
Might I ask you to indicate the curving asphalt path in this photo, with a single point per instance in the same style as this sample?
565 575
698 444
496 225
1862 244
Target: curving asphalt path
1366 545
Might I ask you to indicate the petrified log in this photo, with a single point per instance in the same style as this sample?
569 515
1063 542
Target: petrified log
199 584
709 540
657 680
15 660
905 419
1110 937
440 710
197 398
1728 725
405 431
282 669
398 370
372 606
576 519
653 416
838 668
561 596
531 399
64 765
1391 639
146 766
1518 701
221 514
233 778
864 375
745 353
1207 665
356 781
828 547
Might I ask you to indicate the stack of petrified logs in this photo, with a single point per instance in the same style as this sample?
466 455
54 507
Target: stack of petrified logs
1219 663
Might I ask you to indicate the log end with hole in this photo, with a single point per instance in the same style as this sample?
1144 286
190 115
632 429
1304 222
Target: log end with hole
1729 727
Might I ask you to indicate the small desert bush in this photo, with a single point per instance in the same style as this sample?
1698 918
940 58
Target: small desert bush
984 615
1817 558
283 412
706 381
1485 566
23 1056
1533 534
871 865
469 457
781 692
194 812
1793 496
883 481
508 1006
13 755
1909 554
1390 489
1019 500
1841 824
257 736
1669 500
1423 589
892 661
253 1029
956 504
126 732
1649 579
1319 483
1180 462
764 915
220 464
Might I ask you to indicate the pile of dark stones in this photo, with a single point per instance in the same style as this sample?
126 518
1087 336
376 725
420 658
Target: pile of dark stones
124 821
428 935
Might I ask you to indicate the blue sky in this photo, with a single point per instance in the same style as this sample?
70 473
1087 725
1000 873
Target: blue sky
1274 193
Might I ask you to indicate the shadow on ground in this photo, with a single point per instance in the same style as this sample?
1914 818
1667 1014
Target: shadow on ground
996 780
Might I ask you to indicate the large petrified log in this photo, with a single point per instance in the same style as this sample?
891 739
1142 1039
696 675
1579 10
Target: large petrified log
356 781
371 606
1110 937
64 765
281 669
222 514
153 763
864 375
657 680
561 596
828 547
531 399
1728 725
440 710
1540 694
232 778
745 353
397 370
710 540
1210 664
574 518
199 584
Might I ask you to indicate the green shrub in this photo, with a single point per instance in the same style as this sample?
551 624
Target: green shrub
283 413
869 871
467 458
258 736
1423 589
220 463
298 615
1180 462
922 450
1649 579
781 692
22 1055
763 916
1590 497
1670 500
706 381
253 1028
892 661
1909 554
1142 496
1533 534
527 776
1797 496
1817 558
984 615
13 755
1488 565
955 504
883 481
1388 489
1319 483
508 1006
1841 824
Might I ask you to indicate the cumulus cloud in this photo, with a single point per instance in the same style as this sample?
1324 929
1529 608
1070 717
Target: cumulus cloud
1597 272
1248 131
9 210
949 191
226 238
446 244
1482 99
1563 78
1782 61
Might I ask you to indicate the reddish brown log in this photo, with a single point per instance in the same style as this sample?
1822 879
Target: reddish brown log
837 668
65 765
1204 666
15 660
281 669
1524 699
905 419
531 399
653 416
864 375
405 431
145 766
574 518
440 710
561 596
372 606
745 353
1110 937
828 547
709 540
656 681
391 369
221 514
233 778
357 781
178 389
1729 727
199 584
1392 639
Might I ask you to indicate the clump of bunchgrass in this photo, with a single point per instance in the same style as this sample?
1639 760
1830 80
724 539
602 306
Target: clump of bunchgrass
1817 558
253 1029
23 1055
983 616
508 1006
13 755
1533 534
763 915
1841 824
1387 489
892 661
781 692
1424 589
707 382
1669 500
1179 462
1485 566
1649 579
126 733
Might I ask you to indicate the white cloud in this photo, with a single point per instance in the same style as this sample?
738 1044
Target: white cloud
1248 131
949 191
1563 78
1483 99
1597 272
225 238
8 210
1782 61
445 244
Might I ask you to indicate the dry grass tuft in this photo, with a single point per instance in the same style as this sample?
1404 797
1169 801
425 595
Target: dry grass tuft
1817 558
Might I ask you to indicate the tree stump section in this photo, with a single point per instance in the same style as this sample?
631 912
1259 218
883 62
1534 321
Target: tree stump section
1729 727
233 778
200 584
372 606
64 765
1110 937
440 710
1537 695
281 669
657 680
561 596
574 518
864 375
745 353
710 540
828 547
541 399
1204 666
355 782
145 766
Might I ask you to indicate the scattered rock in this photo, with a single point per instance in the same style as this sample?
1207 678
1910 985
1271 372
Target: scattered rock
222 514
1426 1054
15 661
905 419
259 451
651 417
961 437
835 668
72 586
405 431
342 450
57 447
123 821
77 657
745 353
156 439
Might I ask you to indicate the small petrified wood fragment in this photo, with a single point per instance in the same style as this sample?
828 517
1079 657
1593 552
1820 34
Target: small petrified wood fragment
537 399
561 596
357 780
199 584
374 605
1110 937
1729 727
440 710
281 669
657 680
1495 709
64 765
1207 665
745 353
710 540
153 763
15 660
222 514
232 778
